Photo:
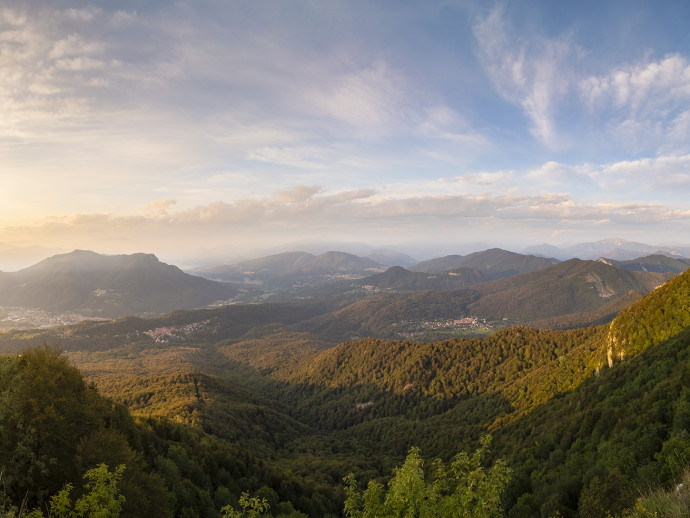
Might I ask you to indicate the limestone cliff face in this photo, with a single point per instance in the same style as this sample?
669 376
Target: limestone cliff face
658 316
611 345
615 349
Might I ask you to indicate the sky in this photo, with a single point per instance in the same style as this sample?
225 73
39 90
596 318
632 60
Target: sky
205 130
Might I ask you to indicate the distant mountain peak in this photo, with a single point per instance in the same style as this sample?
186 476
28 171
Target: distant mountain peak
495 263
611 248
109 285
87 260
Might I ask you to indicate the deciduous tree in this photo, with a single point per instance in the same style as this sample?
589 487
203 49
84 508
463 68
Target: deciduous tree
464 488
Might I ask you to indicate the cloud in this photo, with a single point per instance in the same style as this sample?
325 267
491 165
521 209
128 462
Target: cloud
160 208
65 99
501 179
638 86
161 92
668 176
12 17
443 123
646 103
368 100
441 212
297 194
242 122
554 175
664 179
74 45
85 14
305 208
302 157
531 73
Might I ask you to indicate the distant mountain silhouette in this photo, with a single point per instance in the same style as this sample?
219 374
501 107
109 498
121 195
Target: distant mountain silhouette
614 248
398 278
494 263
108 285
391 258
282 271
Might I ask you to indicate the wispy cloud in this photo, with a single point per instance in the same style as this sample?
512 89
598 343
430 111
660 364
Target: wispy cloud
157 93
529 71
556 175
649 101
368 100
667 176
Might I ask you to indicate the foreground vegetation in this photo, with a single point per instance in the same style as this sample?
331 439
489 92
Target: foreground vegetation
464 488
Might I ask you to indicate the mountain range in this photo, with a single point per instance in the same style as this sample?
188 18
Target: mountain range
570 294
585 418
614 248
493 263
289 269
653 263
358 295
444 273
395 303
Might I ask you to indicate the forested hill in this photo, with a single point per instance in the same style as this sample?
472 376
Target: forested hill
662 314
572 286
400 279
453 368
584 439
505 363
598 450
652 263
570 294
55 427
59 435
493 263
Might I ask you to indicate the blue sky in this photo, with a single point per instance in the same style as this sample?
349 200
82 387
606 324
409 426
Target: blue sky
222 128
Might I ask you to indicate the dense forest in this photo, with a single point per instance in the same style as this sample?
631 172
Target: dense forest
244 409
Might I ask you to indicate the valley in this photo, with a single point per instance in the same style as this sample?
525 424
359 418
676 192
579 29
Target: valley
18 317
339 378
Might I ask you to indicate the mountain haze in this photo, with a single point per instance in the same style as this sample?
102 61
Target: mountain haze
398 278
391 258
109 286
285 270
613 248
493 263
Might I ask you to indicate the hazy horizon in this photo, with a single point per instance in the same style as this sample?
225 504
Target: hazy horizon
12 260
206 129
